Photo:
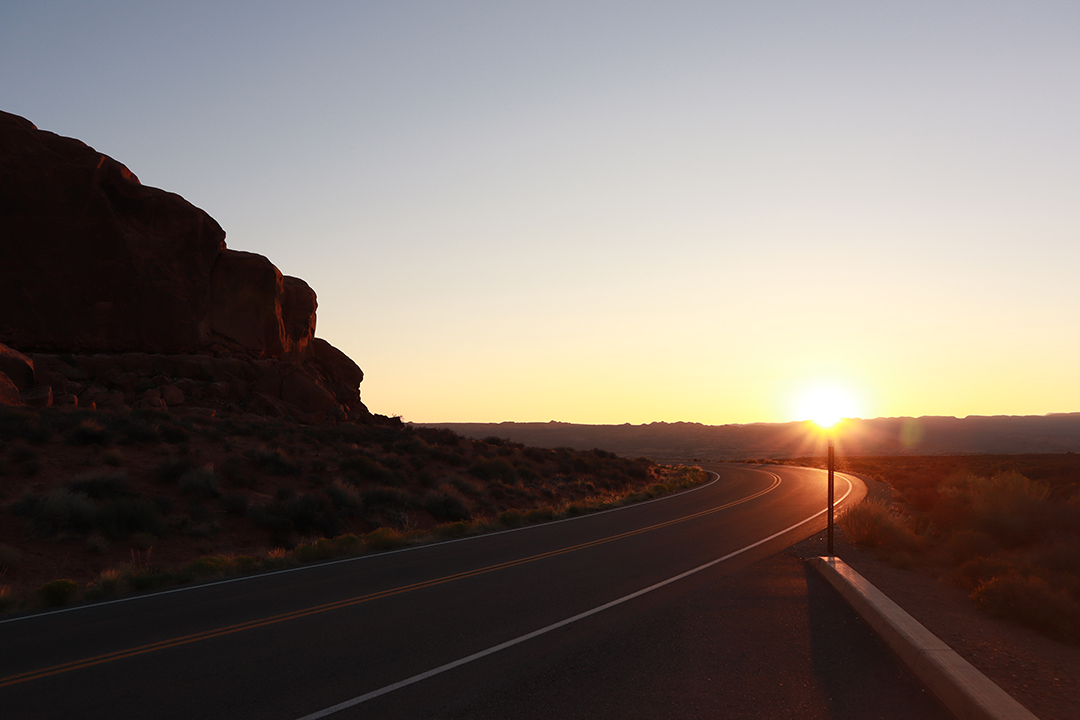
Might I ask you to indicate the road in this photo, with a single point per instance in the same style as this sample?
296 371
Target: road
679 607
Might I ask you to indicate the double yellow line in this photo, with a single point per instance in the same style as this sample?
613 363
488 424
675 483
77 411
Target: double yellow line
314 610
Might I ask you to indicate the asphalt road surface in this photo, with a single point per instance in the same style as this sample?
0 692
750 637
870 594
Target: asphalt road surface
683 607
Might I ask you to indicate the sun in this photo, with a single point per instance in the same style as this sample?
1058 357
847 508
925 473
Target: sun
826 405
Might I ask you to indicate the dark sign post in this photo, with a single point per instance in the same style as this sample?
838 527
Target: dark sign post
830 497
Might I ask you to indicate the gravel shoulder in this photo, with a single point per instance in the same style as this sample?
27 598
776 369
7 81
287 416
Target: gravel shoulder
1041 673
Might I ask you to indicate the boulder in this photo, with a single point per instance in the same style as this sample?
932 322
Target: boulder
37 397
18 367
9 391
91 258
117 287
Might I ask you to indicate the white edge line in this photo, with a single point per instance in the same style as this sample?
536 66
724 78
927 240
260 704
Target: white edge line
368 556
555 626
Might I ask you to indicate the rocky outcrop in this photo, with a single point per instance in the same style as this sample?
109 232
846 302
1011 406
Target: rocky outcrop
134 285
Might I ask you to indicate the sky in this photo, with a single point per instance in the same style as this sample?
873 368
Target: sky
611 212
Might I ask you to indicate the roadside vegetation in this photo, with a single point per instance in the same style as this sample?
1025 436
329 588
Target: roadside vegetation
1005 528
98 503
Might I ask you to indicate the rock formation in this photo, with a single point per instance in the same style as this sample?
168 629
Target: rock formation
119 294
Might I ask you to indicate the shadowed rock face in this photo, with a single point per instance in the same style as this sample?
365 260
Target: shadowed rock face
90 258
94 262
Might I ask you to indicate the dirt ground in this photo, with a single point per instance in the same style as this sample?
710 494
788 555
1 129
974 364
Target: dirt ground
1041 673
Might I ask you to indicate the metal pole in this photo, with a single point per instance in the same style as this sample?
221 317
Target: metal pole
830 498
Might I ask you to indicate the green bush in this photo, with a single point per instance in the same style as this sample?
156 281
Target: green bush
57 592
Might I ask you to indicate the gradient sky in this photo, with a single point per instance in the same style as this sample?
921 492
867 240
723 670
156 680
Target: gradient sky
612 212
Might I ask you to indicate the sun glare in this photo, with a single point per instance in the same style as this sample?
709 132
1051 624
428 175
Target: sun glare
826 406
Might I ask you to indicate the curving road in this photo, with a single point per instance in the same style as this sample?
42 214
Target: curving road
679 607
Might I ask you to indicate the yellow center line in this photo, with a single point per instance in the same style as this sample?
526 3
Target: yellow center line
316 609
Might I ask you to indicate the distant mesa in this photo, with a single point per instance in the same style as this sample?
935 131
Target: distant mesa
122 288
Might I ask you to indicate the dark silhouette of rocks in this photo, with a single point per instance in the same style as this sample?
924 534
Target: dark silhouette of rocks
121 295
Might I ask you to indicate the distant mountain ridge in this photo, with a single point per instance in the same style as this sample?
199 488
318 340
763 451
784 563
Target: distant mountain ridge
930 435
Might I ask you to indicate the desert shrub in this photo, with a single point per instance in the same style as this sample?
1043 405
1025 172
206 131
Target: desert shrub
453 529
173 434
149 578
89 432
142 540
172 470
384 538
1031 600
7 599
638 469
874 523
234 504
388 498
467 486
344 497
57 592
361 468
440 436
527 474
1006 505
100 486
106 584
444 506
139 427
20 452
968 544
321 549
1059 554
59 511
495 469
234 471
978 570
201 482
208 566
112 457
540 514
583 464
511 518
98 543
658 489
273 462
575 508
9 557
304 514
128 515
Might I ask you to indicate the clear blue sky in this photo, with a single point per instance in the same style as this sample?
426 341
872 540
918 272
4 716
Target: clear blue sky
618 212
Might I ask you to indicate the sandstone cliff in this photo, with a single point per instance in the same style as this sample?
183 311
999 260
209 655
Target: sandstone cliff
111 290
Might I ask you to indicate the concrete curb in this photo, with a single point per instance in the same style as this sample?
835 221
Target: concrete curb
966 692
